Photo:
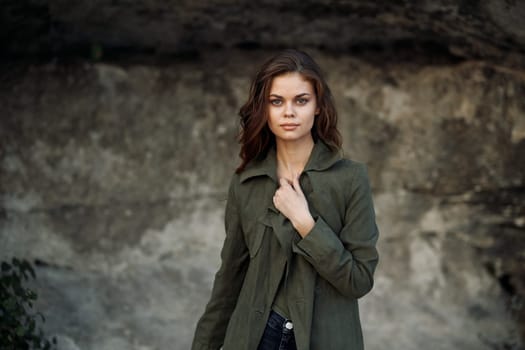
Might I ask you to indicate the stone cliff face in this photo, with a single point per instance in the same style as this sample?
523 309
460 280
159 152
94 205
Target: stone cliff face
113 173
114 179
491 29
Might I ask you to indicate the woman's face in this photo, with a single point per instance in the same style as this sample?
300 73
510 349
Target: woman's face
292 107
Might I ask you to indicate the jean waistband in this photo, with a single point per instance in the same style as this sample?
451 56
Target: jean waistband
280 319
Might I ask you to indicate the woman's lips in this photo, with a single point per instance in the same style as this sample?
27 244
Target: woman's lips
289 127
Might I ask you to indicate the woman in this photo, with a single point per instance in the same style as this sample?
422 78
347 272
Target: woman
300 224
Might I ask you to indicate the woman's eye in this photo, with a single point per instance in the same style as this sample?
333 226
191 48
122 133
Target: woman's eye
302 101
276 102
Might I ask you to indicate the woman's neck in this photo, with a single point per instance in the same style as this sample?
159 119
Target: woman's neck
292 157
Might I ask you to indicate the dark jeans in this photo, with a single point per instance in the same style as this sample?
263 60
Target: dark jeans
277 334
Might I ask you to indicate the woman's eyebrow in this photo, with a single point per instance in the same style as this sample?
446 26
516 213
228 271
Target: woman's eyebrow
300 95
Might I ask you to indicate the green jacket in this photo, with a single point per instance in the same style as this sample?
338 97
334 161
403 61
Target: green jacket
326 272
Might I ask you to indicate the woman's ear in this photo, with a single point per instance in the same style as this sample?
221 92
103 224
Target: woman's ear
317 111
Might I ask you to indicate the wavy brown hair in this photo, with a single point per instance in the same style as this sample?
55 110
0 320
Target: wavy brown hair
255 136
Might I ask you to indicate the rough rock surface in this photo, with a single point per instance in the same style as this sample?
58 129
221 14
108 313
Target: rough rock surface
113 179
490 29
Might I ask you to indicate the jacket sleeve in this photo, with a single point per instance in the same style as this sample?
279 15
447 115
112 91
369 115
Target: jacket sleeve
346 259
211 328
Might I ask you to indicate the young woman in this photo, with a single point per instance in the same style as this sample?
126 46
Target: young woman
300 224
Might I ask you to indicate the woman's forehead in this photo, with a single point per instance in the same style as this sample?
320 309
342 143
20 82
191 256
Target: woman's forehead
291 83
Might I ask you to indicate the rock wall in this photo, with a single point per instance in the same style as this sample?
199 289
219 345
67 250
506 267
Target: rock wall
113 179
489 29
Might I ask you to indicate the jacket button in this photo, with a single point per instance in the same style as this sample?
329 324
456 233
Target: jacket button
289 325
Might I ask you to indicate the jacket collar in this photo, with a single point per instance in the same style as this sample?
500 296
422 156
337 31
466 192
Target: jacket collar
320 159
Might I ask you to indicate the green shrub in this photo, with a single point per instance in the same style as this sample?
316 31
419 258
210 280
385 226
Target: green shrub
18 322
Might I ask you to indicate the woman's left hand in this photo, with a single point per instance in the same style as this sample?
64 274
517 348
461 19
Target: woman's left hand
290 200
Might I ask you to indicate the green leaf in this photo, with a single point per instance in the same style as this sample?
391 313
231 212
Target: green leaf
7 281
31 270
20 331
32 325
31 295
19 291
5 266
14 279
25 266
9 304
18 323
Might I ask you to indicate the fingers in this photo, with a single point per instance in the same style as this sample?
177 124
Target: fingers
297 185
283 182
294 185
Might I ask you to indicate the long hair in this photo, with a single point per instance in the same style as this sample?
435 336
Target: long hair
255 136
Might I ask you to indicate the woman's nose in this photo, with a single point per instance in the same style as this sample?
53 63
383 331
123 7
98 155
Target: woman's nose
288 111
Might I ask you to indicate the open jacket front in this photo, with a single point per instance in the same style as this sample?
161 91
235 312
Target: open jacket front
326 272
